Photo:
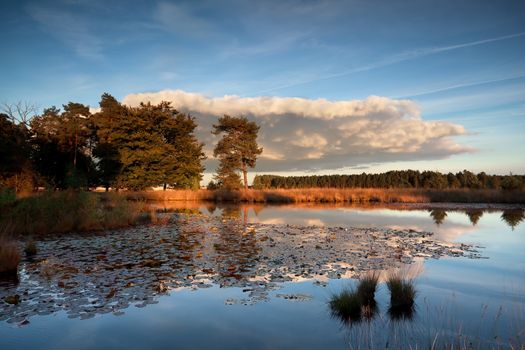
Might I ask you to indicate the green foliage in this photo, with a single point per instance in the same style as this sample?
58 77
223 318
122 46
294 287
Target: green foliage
394 179
15 165
236 150
61 146
7 196
511 182
147 146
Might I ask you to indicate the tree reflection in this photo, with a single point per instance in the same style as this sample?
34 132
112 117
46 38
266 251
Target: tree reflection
474 215
438 215
513 217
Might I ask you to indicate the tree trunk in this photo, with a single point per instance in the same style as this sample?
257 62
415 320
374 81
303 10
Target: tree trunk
245 175
164 187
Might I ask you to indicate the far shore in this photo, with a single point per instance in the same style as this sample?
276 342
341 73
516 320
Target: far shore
449 197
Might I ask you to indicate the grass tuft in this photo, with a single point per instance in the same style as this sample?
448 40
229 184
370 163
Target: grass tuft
402 292
367 288
30 249
346 305
9 257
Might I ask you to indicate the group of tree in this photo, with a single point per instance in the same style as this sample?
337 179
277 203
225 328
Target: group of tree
119 147
394 179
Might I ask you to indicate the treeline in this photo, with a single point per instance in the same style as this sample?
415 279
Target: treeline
394 179
119 147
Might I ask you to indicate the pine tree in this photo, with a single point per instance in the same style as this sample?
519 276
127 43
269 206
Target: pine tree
236 150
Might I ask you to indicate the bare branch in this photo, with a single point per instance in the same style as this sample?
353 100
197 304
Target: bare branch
20 112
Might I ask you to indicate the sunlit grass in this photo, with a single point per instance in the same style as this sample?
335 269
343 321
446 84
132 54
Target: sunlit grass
62 212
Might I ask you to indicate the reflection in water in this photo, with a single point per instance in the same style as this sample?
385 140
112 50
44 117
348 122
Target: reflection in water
85 275
438 215
397 313
474 215
513 217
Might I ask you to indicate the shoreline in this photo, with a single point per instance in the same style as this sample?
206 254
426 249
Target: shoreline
369 196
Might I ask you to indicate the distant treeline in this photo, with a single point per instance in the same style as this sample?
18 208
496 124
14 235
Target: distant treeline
395 179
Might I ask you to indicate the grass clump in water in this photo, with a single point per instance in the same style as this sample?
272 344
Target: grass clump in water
353 304
367 288
30 249
346 305
402 296
9 257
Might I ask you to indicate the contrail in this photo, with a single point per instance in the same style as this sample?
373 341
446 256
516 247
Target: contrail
401 57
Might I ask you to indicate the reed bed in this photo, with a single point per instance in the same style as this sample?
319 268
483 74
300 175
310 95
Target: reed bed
335 195
61 212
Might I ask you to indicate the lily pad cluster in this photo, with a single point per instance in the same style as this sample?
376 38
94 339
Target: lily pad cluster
88 274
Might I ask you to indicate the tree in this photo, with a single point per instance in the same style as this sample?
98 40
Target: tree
148 145
62 146
237 149
106 150
15 166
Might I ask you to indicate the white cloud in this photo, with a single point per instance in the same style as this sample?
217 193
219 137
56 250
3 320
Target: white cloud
304 134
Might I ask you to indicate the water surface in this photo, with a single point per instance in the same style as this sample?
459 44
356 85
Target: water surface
473 300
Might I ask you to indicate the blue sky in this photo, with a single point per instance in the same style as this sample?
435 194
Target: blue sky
460 62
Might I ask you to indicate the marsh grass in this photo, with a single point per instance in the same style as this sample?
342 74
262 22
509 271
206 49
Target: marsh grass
61 212
335 195
354 304
30 248
346 305
402 295
367 288
9 257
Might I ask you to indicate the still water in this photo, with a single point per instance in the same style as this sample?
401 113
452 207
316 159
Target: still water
476 301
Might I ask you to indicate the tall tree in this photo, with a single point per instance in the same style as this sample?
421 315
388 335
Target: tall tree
106 151
156 146
237 149
61 145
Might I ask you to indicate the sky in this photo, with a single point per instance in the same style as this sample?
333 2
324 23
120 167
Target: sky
336 86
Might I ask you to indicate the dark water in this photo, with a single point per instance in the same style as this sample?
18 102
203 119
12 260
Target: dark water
460 301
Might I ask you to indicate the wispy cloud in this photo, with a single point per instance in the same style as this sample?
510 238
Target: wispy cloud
394 59
180 19
462 85
70 28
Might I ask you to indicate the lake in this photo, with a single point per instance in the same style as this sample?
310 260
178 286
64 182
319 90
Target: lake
253 276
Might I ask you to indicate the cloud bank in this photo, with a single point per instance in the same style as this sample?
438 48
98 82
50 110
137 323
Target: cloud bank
300 134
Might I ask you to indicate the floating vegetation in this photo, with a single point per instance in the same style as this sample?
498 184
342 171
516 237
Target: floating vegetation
89 274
